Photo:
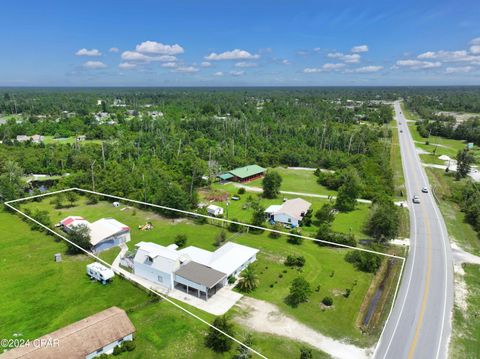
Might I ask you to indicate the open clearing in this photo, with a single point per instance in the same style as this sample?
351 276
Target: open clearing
43 296
325 267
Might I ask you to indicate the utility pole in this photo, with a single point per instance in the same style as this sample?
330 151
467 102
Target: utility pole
93 176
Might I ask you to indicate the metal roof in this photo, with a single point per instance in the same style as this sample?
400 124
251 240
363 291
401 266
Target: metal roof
200 274
225 176
247 171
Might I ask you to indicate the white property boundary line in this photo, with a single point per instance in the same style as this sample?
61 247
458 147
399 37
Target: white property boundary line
8 204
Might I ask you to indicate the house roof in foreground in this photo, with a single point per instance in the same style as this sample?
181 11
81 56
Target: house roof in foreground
80 338
247 171
200 274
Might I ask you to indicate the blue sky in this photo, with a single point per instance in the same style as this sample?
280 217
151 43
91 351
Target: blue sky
237 43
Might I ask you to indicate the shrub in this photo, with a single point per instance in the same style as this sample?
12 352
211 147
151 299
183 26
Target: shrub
299 292
294 239
234 227
129 345
295 261
328 301
181 240
241 190
364 261
231 279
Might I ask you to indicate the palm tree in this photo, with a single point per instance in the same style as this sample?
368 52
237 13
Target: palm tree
248 280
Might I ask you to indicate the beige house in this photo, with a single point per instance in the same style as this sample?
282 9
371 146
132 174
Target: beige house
85 339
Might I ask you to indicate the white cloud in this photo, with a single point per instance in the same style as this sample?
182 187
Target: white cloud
312 70
456 70
86 52
368 69
237 73
114 49
127 65
286 62
475 41
452 56
475 49
153 47
236 54
94 65
137 56
186 69
219 73
329 67
325 68
348 58
245 64
359 48
417 64
206 64
169 64
317 49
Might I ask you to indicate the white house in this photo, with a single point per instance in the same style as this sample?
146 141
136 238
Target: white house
104 233
291 212
214 210
192 268
88 338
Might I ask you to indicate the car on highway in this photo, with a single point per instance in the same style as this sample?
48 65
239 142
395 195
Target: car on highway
416 199
425 190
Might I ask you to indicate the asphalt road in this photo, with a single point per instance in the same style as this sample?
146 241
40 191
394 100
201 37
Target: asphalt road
419 325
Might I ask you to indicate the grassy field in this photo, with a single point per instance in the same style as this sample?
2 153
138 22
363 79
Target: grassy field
458 229
49 140
42 296
466 326
325 267
351 222
396 163
297 181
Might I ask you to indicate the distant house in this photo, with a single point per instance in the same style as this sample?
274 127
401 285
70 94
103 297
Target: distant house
155 114
86 339
37 138
104 233
291 212
243 174
192 268
34 138
23 138
81 138
214 210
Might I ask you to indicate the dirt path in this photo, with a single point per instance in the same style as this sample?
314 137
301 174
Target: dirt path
267 318
303 194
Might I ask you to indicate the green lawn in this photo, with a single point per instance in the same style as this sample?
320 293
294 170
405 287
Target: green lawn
321 262
43 296
297 181
466 326
344 222
67 140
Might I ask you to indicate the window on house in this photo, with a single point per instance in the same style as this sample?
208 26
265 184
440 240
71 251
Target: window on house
149 260
289 220
160 279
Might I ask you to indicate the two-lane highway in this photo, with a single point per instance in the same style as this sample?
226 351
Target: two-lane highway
419 325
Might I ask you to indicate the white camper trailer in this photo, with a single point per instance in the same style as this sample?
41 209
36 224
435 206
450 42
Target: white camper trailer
99 272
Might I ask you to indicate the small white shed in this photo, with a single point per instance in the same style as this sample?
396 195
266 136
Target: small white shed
99 272
215 210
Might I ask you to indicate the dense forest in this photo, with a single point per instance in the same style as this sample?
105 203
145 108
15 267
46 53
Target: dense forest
200 132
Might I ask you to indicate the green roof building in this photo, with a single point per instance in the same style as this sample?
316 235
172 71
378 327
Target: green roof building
243 174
